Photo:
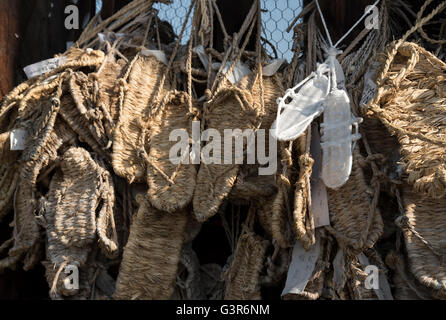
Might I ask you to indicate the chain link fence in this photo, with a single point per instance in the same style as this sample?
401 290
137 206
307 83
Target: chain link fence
276 17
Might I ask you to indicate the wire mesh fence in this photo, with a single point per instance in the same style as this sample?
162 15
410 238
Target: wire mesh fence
276 17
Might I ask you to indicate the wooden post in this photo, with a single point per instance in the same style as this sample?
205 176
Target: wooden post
10 37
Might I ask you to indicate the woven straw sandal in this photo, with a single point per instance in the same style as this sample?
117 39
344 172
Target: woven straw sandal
234 106
150 260
243 275
26 229
355 218
171 185
144 75
424 229
412 107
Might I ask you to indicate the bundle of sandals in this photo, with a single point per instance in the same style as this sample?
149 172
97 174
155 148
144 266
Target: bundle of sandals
87 182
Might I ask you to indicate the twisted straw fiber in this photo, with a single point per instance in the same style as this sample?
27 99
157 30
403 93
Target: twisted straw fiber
406 287
189 288
61 292
402 289
272 89
272 217
139 99
243 275
82 92
281 214
411 105
105 222
249 185
177 193
302 223
70 213
356 282
26 230
77 123
87 280
59 248
426 217
75 207
379 138
277 264
150 260
233 107
8 174
42 124
77 58
109 86
29 95
350 208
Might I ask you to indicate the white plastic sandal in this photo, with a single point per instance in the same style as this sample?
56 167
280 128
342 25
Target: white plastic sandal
337 139
295 115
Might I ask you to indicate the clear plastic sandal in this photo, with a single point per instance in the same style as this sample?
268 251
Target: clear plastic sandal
337 139
296 111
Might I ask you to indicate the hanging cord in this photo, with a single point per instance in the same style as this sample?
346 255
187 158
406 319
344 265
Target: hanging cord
53 290
158 104
248 23
128 13
394 49
211 43
168 97
404 224
383 76
259 61
350 30
420 29
324 23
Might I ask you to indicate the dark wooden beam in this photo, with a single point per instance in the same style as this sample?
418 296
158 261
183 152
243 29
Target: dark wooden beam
108 8
10 37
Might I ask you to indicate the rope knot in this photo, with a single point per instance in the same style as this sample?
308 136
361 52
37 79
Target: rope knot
402 222
93 77
123 83
305 161
193 114
92 114
55 101
208 94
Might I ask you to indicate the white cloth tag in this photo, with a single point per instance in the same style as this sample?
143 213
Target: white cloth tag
111 37
158 54
39 68
18 139
370 88
199 50
271 69
319 199
301 268
239 72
